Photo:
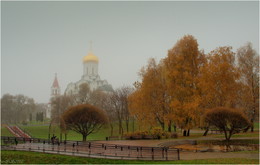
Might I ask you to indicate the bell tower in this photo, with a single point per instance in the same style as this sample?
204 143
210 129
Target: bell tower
55 88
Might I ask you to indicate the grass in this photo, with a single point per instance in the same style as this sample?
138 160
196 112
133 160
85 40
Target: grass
5 132
256 125
43 132
24 157
248 152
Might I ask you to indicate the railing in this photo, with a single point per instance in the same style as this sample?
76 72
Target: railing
92 149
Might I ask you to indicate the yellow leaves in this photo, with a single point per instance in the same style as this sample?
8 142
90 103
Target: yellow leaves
218 81
185 83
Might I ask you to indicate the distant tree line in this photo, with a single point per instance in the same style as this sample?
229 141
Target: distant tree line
20 109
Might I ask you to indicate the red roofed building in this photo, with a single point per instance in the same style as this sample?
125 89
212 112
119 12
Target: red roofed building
55 88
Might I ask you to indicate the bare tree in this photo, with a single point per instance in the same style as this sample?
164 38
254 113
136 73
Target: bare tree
84 94
248 62
119 101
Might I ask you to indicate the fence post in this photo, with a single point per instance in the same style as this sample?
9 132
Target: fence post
129 151
152 153
65 145
89 146
178 152
163 152
166 152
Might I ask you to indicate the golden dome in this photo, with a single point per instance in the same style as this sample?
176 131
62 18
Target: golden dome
90 57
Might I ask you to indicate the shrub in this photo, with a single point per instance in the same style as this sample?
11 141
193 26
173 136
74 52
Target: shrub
228 120
157 132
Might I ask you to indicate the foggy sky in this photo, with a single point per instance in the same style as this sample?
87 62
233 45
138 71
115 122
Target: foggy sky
40 39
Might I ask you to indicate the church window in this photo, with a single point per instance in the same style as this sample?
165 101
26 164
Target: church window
92 70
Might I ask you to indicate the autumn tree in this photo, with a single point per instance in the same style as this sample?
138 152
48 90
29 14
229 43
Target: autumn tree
228 120
149 103
138 108
84 119
248 63
218 80
182 69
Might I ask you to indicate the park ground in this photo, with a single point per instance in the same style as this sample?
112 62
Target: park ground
39 130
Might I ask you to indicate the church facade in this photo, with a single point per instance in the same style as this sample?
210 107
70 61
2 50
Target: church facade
90 76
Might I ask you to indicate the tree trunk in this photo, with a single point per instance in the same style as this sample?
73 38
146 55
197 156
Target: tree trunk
84 138
226 136
206 132
184 132
163 127
188 133
174 128
170 126
60 137
127 125
133 125
252 125
111 129
119 127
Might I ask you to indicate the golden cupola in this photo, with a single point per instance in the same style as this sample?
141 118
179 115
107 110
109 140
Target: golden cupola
90 58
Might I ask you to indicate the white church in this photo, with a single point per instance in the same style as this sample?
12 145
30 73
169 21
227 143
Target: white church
90 76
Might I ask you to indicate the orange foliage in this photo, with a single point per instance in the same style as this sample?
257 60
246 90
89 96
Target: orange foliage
182 69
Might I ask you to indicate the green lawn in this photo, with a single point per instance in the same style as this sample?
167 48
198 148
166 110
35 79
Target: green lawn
5 132
43 131
256 125
38 131
23 157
